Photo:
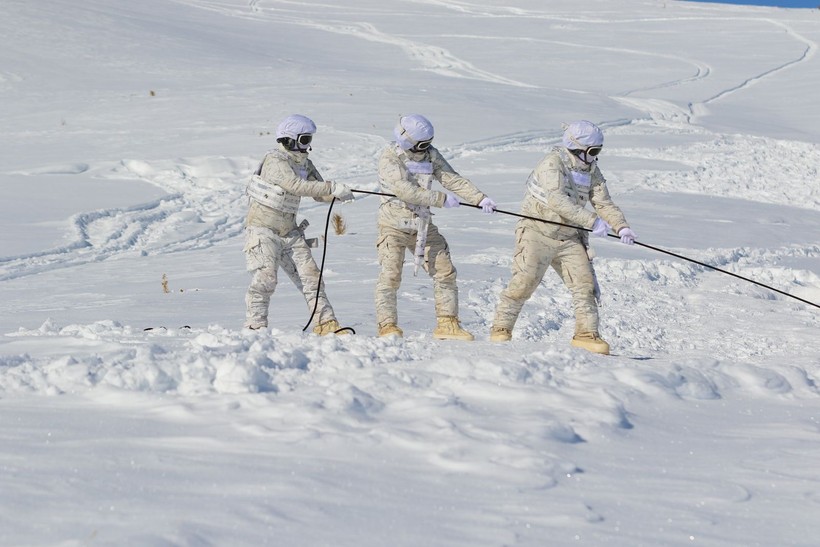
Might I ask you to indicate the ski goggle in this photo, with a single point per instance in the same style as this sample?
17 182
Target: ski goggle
304 139
589 151
422 145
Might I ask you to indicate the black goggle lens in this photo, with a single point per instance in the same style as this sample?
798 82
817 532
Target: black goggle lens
423 145
594 150
304 139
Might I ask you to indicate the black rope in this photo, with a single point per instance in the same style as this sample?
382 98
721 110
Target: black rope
657 249
321 271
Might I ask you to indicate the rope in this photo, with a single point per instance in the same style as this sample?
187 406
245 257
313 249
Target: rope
657 249
321 272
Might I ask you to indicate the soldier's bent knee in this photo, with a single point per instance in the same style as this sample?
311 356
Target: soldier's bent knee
264 279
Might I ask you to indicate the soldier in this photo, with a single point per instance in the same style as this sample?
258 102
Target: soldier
407 168
558 190
272 237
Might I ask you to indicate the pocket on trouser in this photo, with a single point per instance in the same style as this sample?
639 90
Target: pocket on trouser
519 260
382 240
390 254
252 239
260 252
576 271
525 259
439 263
255 258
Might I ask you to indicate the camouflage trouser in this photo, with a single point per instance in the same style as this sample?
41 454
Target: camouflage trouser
265 253
391 245
534 253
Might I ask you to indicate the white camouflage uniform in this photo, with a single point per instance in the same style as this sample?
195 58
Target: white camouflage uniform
273 239
558 190
399 174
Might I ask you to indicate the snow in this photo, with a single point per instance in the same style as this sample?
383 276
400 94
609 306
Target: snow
129 133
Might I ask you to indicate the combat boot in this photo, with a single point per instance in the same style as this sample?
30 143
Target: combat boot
328 327
449 329
390 329
500 334
590 341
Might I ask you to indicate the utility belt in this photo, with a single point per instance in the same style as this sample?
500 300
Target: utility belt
255 233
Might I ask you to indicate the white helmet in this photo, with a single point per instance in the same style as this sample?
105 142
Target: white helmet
414 132
296 132
584 139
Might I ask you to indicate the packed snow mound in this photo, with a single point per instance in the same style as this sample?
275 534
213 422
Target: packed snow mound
192 361
129 134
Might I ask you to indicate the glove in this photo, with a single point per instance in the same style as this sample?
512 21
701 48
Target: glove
600 228
451 201
341 192
627 236
487 205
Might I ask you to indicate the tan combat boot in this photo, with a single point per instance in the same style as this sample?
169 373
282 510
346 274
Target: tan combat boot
590 341
449 329
329 327
500 334
390 329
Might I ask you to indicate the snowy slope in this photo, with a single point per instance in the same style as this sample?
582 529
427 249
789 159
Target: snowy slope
128 134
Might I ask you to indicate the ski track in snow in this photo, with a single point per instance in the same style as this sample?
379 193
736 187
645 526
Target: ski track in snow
204 205
433 58
206 202
441 61
510 417
808 53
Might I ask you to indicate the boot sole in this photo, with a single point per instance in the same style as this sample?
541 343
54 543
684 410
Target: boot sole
592 348
453 337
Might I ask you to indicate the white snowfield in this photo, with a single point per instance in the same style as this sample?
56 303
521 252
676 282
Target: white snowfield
129 131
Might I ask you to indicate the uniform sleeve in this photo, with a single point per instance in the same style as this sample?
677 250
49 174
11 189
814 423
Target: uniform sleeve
393 176
550 176
314 175
454 182
603 204
278 171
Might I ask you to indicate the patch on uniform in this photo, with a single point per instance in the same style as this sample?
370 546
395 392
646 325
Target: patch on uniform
580 178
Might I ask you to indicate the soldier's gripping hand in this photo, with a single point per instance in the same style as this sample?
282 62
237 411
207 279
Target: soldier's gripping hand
600 228
487 205
341 191
627 236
